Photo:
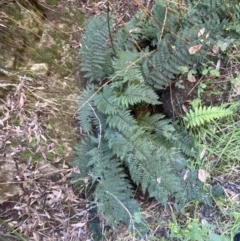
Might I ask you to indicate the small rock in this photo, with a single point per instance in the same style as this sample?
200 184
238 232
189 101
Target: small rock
41 68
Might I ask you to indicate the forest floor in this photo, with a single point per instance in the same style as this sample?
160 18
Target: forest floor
39 89
38 127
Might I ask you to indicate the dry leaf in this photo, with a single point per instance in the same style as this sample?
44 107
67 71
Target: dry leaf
184 108
218 64
64 165
76 170
21 100
192 79
203 152
78 225
194 49
185 175
215 49
201 32
202 175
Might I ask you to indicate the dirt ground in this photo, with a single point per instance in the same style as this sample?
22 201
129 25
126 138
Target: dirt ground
38 129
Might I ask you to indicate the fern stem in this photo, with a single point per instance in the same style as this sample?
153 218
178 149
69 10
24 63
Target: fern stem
100 126
109 30
128 212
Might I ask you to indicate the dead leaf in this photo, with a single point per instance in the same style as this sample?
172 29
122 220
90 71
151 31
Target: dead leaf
78 225
215 49
194 49
203 152
185 175
21 100
202 175
185 109
64 165
207 35
191 79
76 170
201 32
218 64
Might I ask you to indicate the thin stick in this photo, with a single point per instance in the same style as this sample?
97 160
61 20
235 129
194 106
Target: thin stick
130 215
100 126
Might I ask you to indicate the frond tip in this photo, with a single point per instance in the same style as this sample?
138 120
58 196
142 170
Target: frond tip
200 115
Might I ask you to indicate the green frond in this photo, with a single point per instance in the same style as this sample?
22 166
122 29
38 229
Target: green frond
195 188
149 122
119 143
181 32
87 114
106 101
135 94
148 162
114 195
201 115
184 142
139 29
163 11
82 158
113 192
95 54
122 120
127 68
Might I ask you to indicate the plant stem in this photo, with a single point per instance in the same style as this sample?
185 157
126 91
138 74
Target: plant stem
109 30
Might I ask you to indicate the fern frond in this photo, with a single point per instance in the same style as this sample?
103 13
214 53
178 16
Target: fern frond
127 68
114 194
201 115
135 94
184 142
151 148
82 158
88 115
122 120
179 33
94 53
150 123
148 162
106 101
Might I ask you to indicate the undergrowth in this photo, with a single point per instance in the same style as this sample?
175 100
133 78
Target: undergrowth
127 142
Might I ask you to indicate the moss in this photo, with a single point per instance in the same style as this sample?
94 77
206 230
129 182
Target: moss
52 2
77 16
50 156
48 55
59 150
13 11
36 157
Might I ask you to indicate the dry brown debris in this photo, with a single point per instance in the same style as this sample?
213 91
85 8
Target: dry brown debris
37 198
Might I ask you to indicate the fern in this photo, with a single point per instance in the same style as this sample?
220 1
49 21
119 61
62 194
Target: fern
113 192
126 142
135 94
88 115
201 115
181 32
139 29
95 54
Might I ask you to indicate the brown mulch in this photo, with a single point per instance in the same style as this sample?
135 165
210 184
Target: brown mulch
37 200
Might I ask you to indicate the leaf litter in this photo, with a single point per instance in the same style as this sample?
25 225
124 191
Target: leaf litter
37 199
